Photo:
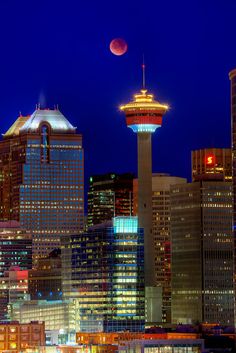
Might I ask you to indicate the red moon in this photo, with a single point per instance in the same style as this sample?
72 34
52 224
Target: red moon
118 46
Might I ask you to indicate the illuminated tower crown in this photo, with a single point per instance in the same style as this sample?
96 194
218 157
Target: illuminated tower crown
144 114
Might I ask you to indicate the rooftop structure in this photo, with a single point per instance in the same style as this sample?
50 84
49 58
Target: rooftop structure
144 114
212 164
31 123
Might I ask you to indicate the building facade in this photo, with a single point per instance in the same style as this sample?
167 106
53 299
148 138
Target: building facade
45 278
131 342
13 288
202 253
16 337
58 317
109 195
41 183
103 270
15 247
161 184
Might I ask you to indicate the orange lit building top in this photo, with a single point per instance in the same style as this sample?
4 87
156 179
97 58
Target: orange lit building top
212 164
144 114
117 338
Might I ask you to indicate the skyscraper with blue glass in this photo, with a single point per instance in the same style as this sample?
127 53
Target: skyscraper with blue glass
41 178
103 270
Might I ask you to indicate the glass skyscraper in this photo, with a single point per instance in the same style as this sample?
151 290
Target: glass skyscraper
104 270
41 178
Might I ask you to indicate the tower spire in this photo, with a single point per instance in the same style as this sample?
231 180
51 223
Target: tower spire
143 69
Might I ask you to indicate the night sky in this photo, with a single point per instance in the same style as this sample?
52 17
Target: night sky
57 52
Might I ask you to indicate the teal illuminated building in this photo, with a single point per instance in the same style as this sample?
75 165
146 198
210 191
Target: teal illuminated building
41 178
104 270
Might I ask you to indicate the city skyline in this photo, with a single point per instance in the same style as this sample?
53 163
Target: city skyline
113 238
62 57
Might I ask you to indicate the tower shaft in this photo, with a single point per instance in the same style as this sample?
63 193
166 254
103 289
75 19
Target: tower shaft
145 203
144 115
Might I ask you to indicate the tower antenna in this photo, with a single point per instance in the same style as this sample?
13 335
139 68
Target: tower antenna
143 69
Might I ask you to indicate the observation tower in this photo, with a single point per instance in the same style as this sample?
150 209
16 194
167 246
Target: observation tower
144 115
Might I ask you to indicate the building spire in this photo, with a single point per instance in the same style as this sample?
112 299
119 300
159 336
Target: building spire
143 69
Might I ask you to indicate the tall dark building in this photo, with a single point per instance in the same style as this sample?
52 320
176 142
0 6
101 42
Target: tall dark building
109 195
202 253
161 183
103 269
41 178
45 278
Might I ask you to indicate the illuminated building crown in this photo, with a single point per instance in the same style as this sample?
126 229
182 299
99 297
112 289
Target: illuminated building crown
144 114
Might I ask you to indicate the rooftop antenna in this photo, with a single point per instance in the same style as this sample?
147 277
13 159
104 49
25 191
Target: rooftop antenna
143 69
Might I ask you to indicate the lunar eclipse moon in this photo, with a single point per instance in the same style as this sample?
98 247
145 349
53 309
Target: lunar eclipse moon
118 46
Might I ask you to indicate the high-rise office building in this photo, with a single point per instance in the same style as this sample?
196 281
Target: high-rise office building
41 178
144 115
15 247
103 270
202 253
109 195
161 184
212 164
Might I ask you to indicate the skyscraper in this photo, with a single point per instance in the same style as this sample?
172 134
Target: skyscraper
144 116
109 195
102 269
161 184
202 253
41 178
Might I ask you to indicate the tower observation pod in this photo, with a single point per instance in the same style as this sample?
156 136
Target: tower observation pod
144 115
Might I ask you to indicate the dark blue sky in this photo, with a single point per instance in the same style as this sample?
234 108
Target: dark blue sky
58 52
